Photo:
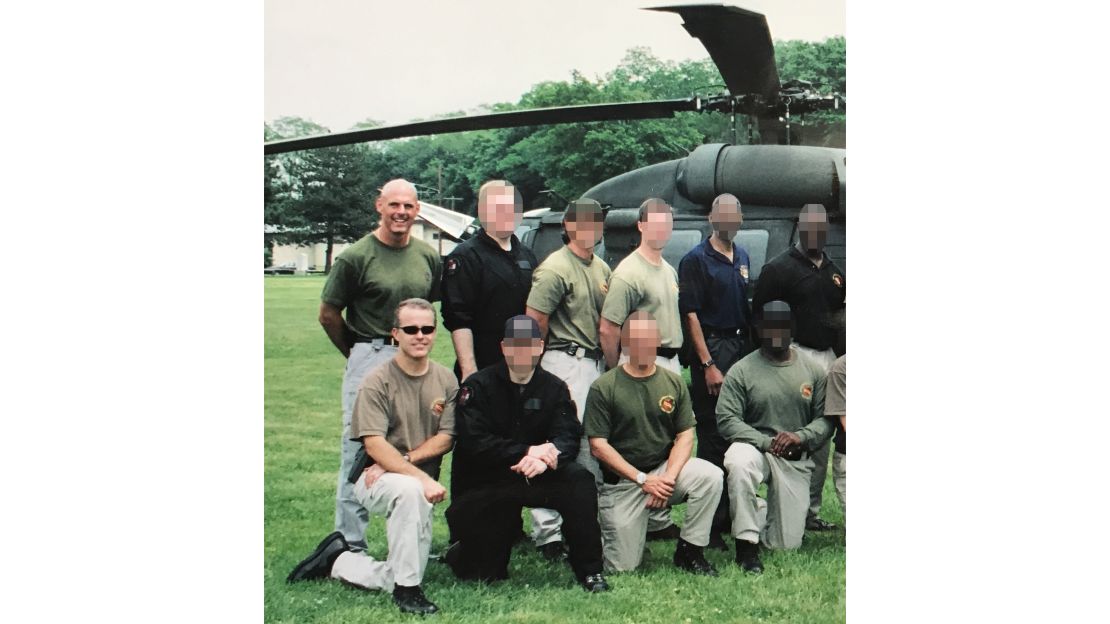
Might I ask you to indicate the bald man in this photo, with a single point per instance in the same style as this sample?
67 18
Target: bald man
368 280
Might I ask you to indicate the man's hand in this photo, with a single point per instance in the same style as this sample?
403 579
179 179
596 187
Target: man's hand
659 486
547 453
713 380
654 502
433 491
371 474
529 466
786 443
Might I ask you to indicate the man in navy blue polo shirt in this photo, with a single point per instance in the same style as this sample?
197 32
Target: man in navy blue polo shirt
713 303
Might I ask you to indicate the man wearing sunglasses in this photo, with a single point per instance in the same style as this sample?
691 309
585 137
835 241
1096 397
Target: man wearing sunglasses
367 282
518 436
404 420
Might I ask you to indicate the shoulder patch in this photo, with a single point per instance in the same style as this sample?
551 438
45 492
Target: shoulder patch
437 406
807 391
451 266
839 281
604 288
744 271
465 394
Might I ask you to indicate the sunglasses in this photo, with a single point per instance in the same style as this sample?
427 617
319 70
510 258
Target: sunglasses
412 329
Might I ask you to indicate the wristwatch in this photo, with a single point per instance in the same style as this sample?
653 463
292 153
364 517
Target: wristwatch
406 458
641 478
706 364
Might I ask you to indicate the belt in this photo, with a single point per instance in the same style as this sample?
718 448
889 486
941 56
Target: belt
666 352
732 332
578 351
382 340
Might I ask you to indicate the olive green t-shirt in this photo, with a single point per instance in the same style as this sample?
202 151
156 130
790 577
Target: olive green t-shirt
370 278
404 409
761 398
640 416
637 284
570 291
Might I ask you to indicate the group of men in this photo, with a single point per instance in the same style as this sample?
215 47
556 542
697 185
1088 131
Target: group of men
567 395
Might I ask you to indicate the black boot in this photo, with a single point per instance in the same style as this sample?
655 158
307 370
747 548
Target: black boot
318 564
412 600
747 557
595 583
690 558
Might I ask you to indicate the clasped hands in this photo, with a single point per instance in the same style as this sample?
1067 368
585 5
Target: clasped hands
786 445
537 460
659 490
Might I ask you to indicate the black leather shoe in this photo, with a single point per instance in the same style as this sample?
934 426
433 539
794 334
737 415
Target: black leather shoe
595 583
717 542
747 557
692 559
553 551
667 533
817 524
318 564
412 600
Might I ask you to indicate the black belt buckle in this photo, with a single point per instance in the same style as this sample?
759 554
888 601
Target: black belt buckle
572 349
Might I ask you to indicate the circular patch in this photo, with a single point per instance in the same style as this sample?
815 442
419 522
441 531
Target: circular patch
807 391
839 281
744 271
464 396
604 288
451 265
667 404
437 407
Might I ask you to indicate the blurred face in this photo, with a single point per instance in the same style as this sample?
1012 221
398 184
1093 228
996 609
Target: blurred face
640 341
398 207
726 219
586 230
522 354
656 231
416 345
499 213
813 230
775 334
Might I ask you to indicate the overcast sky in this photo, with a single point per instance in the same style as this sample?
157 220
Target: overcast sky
341 61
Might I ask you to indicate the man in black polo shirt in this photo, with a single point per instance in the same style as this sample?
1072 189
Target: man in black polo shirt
713 301
517 436
807 279
486 280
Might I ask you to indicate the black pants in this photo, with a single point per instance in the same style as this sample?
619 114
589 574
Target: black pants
711 446
485 520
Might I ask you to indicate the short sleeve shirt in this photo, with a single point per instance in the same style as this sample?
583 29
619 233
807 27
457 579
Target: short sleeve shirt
571 291
371 278
404 409
639 416
637 284
835 400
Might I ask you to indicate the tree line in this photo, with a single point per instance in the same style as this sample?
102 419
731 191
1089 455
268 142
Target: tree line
326 195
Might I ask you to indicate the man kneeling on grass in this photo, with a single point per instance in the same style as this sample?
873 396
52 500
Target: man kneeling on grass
404 416
518 437
641 429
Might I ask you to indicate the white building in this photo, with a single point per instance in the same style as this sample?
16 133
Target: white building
435 225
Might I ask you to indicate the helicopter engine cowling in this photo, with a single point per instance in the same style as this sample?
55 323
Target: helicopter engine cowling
766 175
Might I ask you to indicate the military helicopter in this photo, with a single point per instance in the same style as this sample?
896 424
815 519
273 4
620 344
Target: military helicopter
772 181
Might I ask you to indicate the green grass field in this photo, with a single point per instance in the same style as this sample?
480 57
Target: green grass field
303 418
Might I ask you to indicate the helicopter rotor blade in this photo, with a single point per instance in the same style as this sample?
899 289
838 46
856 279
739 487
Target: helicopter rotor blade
739 43
531 117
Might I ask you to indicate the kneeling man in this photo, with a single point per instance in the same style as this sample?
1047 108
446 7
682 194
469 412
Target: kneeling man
518 436
771 409
404 417
641 429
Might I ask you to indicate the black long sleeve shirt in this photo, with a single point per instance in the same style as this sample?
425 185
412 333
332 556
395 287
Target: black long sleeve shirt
497 420
815 295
